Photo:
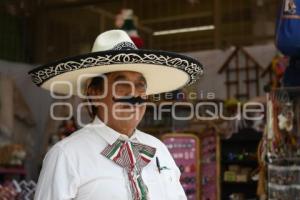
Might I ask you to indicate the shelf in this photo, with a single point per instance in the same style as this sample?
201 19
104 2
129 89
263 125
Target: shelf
240 162
247 188
244 135
12 170
245 140
250 183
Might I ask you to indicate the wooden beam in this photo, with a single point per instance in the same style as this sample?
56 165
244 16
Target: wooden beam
217 13
238 96
247 78
237 75
257 80
242 69
74 4
252 59
225 65
231 82
227 85
269 68
217 23
177 17
102 23
238 39
101 11
250 80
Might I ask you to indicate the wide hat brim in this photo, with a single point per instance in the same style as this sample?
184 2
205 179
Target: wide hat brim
163 71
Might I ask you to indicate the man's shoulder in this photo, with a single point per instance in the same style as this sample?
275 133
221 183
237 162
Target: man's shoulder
78 139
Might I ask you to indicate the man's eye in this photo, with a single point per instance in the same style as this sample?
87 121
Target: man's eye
123 85
141 86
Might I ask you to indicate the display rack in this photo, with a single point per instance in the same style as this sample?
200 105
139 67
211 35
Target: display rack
238 163
283 136
8 173
210 165
185 149
13 170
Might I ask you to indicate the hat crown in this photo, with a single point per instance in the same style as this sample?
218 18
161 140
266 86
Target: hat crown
113 40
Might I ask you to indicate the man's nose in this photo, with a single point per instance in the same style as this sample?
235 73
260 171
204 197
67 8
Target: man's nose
135 92
138 93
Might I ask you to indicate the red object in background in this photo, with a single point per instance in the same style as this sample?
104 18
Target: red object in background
126 21
139 42
13 170
68 127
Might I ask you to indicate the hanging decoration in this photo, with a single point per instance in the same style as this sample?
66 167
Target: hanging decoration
279 65
127 22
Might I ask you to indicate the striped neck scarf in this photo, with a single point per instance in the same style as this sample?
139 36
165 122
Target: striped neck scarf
133 157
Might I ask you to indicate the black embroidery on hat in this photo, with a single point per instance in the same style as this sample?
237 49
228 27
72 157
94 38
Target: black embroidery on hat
124 46
191 67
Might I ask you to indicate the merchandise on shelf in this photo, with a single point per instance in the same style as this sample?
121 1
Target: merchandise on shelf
209 165
283 143
12 155
283 125
14 190
66 128
185 151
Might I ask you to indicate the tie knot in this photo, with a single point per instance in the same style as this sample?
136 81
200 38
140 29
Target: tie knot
133 157
125 139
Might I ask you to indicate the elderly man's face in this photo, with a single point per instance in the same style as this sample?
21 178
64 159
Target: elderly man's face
120 85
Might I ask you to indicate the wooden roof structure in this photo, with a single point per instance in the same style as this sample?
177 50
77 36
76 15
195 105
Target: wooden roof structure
60 28
242 73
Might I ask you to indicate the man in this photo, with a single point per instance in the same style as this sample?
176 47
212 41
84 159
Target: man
110 158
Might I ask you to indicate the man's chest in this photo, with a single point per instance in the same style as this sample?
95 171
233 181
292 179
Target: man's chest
102 178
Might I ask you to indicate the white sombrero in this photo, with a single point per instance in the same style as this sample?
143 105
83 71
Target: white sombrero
114 51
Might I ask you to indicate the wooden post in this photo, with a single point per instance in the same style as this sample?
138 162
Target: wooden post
257 80
217 22
237 75
218 161
247 78
227 83
102 23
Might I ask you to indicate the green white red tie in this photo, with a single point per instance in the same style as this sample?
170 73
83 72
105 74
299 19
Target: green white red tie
133 157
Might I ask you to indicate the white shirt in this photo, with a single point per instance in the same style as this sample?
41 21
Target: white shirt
75 169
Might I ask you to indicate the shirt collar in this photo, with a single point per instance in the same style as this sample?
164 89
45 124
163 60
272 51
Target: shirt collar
109 134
